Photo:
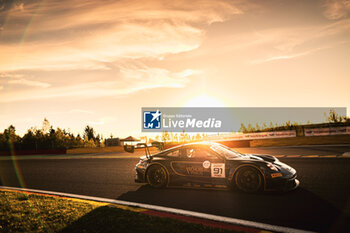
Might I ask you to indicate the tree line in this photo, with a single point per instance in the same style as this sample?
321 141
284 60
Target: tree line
333 119
56 138
181 137
48 138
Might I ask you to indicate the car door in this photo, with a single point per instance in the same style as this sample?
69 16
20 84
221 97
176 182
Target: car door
195 164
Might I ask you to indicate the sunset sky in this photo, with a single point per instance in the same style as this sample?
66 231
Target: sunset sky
98 62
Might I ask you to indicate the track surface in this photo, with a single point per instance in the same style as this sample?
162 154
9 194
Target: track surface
320 204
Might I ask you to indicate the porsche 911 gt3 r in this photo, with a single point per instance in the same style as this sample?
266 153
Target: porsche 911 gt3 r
208 163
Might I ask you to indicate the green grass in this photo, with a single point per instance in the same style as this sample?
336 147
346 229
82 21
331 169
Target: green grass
21 212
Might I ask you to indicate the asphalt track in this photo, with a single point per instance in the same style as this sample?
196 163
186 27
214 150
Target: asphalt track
321 203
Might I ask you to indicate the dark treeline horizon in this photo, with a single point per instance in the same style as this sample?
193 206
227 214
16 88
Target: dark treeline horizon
48 137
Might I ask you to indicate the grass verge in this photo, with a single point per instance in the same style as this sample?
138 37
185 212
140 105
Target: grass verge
27 212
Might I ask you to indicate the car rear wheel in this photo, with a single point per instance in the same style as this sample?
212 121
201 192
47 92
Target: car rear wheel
157 176
249 179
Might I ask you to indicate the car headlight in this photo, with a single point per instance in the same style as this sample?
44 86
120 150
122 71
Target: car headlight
272 167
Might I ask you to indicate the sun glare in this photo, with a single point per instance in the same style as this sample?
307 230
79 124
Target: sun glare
204 100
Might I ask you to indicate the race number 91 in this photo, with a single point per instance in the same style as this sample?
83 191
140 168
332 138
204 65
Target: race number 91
218 170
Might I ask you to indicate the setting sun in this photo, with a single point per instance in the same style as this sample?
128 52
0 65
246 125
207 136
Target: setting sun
204 100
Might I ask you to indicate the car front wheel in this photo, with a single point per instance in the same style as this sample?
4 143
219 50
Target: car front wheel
249 179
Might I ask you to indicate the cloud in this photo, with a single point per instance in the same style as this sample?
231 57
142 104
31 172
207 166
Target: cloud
72 111
133 79
283 44
286 57
80 111
44 37
102 121
336 9
30 83
1 87
62 37
282 57
9 75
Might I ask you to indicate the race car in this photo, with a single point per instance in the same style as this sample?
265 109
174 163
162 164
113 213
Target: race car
210 164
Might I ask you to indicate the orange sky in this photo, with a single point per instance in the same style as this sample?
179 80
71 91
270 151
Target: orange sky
98 62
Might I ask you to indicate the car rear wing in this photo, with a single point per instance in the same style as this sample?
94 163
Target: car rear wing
140 145
131 148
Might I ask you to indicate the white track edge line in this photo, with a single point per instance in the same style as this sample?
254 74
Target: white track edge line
236 221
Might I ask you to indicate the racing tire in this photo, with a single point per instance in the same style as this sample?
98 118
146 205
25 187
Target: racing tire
249 179
157 176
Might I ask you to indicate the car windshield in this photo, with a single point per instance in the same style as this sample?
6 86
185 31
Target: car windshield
226 151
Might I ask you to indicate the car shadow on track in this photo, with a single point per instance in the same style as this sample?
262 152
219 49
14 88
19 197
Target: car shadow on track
300 208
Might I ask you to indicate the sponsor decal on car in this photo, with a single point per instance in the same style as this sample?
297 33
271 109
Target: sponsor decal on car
194 170
206 164
274 175
218 170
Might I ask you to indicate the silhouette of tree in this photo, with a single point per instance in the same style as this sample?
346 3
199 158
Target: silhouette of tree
165 136
89 132
243 129
46 126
